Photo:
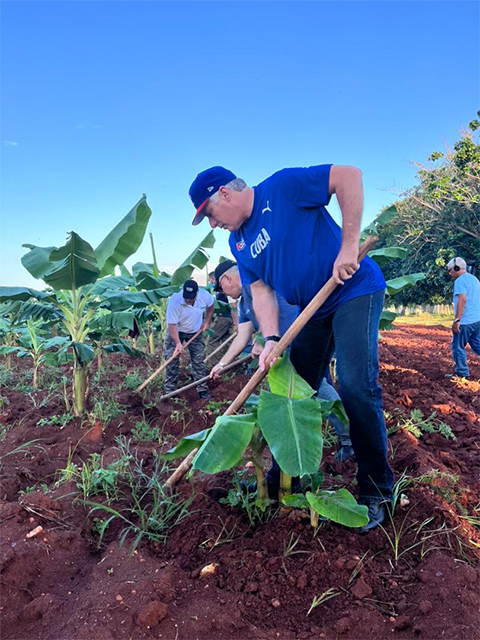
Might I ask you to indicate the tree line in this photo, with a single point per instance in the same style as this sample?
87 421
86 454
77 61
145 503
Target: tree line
438 219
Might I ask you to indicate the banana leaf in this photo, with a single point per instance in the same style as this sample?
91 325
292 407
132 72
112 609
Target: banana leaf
23 294
383 256
397 284
83 352
339 506
71 266
386 320
187 444
198 258
124 347
383 218
37 261
124 240
138 299
112 283
292 429
225 444
285 381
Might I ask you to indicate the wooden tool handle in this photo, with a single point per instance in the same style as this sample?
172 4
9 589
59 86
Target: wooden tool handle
287 338
165 364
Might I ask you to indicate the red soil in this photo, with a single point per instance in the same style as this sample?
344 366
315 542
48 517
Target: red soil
57 585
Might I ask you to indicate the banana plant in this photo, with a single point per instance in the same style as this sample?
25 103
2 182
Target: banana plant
288 420
149 288
30 344
382 257
71 271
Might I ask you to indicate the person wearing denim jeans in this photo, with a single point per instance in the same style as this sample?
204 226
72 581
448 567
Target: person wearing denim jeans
284 240
466 325
352 331
326 391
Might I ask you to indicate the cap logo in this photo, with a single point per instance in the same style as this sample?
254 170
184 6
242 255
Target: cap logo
210 188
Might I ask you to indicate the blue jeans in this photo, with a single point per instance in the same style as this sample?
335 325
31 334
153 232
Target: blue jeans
352 332
468 334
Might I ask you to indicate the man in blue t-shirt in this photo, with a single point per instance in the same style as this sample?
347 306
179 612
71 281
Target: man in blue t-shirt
284 240
466 325
227 277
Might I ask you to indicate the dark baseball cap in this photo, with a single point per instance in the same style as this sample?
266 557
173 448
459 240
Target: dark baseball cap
190 289
220 270
205 185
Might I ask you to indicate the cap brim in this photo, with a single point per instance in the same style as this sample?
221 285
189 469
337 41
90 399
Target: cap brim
199 216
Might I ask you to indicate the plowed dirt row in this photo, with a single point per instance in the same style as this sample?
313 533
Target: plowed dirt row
62 585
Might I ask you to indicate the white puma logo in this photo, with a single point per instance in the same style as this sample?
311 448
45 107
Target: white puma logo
267 208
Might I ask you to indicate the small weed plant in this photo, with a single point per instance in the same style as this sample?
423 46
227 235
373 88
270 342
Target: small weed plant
133 380
417 425
241 497
6 376
105 410
56 420
146 508
143 432
217 407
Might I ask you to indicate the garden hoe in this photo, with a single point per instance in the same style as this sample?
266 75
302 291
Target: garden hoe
165 364
228 367
276 352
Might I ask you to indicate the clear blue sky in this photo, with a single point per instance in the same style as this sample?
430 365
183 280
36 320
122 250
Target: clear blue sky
104 101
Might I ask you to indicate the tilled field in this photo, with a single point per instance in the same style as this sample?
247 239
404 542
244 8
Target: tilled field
417 579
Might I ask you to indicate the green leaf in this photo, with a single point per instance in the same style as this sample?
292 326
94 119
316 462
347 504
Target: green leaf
83 352
57 341
297 500
118 320
187 444
127 299
124 240
21 293
397 284
37 261
383 218
22 311
124 347
339 506
285 381
252 401
225 443
334 406
383 256
6 351
73 265
198 258
386 320
113 283
292 429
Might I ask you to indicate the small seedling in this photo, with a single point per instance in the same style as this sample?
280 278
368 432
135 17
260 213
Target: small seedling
143 432
417 425
60 420
326 595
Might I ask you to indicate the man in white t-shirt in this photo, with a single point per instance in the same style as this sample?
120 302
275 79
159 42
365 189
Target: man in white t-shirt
188 311
466 325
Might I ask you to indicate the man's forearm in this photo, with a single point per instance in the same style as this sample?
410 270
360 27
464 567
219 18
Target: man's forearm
173 333
239 343
461 303
265 308
209 314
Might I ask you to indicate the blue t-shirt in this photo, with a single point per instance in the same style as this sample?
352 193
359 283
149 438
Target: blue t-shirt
286 312
466 283
291 242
